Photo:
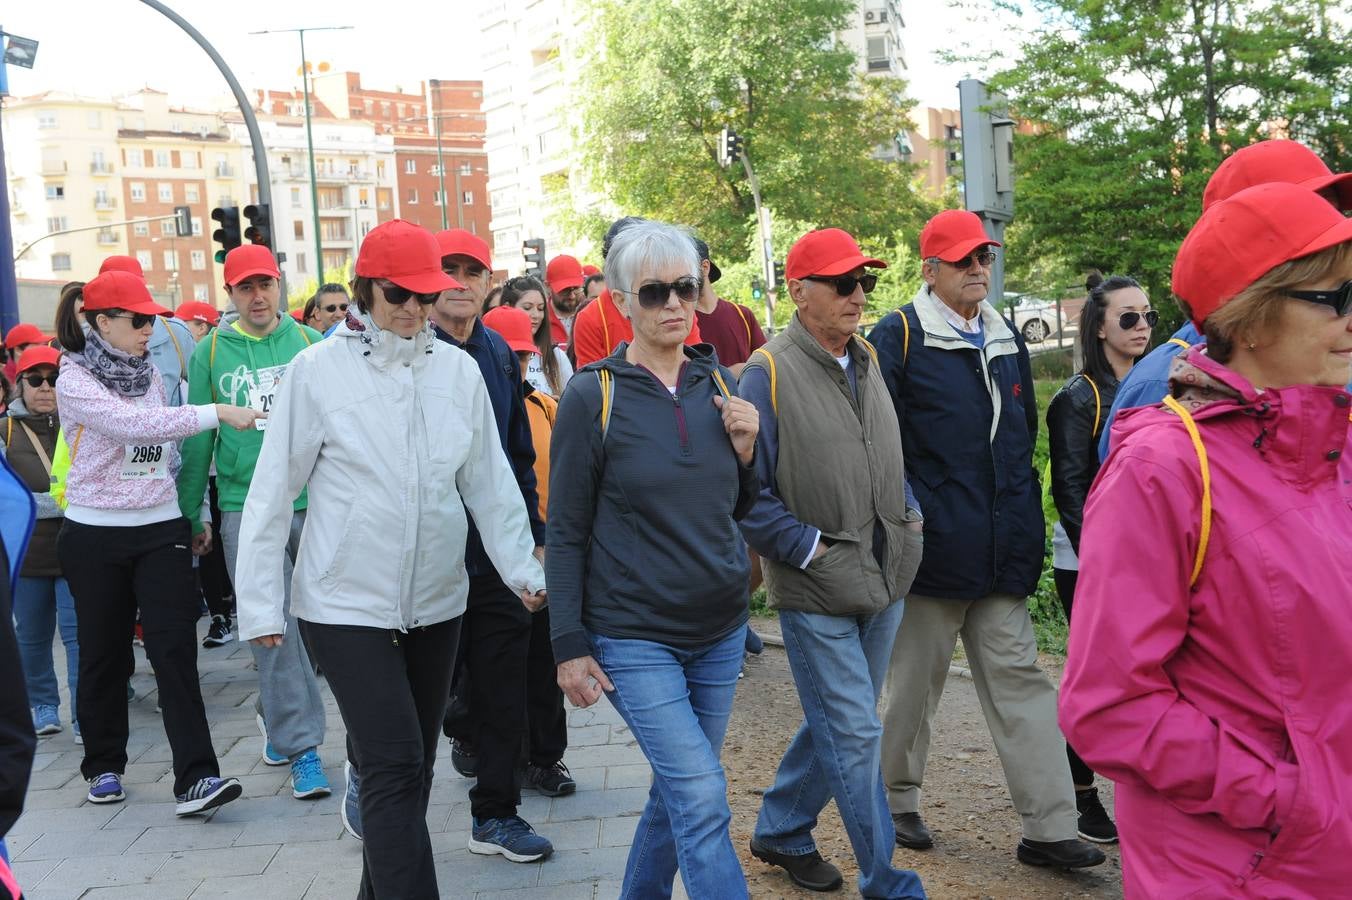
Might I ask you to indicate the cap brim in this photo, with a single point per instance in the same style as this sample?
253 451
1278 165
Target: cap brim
1339 233
1342 183
715 273
521 346
849 264
964 249
146 307
565 283
426 282
249 273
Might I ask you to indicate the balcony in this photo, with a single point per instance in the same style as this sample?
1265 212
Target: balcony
107 237
100 168
880 65
336 240
224 170
105 204
54 167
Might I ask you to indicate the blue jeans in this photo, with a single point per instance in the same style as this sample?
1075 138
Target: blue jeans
40 606
838 664
677 702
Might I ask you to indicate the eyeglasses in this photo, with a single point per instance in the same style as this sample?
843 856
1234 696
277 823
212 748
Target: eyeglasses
39 380
982 257
334 307
1128 320
138 320
845 284
398 296
1340 298
654 296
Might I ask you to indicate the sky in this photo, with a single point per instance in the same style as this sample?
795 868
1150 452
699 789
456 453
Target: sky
120 46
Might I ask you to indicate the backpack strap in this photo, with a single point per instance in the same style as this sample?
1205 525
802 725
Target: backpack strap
605 326
722 386
182 363
1180 342
305 337
1098 406
774 377
869 347
211 364
607 381
9 430
1191 424
745 324
905 336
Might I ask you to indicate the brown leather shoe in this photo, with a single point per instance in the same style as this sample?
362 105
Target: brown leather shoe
911 831
807 870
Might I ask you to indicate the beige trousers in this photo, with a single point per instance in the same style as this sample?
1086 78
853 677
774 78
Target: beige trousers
1018 700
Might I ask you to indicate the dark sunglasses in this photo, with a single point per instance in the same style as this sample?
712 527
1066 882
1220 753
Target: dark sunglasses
654 296
984 257
398 296
38 380
845 284
1340 298
138 320
1128 320
334 307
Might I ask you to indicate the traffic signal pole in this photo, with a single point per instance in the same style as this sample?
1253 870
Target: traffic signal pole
730 149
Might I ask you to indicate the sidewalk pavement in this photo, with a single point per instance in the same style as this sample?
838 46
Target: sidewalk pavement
269 846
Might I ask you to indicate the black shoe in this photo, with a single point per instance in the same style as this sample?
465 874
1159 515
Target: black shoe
807 870
219 633
1071 854
464 759
1095 825
553 780
911 831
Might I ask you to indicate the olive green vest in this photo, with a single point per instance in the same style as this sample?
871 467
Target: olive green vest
839 469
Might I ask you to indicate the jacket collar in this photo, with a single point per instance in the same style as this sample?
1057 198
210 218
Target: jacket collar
384 349
699 362
797 333
477 336
999 339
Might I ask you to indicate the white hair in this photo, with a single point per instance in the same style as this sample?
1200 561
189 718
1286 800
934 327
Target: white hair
645 246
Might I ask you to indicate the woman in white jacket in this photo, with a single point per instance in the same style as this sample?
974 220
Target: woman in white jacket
391 430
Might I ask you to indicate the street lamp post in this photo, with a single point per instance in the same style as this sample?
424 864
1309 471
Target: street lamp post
441 162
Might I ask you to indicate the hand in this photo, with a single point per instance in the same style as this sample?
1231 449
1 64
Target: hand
741 421
239 418
535 602
539 554
583 681
201 542
267 640
819 551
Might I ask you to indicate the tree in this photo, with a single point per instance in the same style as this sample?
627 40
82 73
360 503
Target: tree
668 75
1138 102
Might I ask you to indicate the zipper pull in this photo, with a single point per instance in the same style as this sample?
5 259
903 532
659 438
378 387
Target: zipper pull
394 637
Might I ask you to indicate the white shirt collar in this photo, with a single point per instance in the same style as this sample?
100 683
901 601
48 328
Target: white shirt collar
971 326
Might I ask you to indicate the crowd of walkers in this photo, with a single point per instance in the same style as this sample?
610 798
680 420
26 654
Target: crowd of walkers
459 504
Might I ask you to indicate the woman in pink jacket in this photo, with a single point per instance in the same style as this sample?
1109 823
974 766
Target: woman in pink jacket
1208 669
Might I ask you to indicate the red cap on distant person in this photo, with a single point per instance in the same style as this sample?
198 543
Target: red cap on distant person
563 272
122 264
514 326
247 260
952 235
406 254
828 251
39 356
121 290
197 311
589 270
1240 239
459 242
24 333
298 314
1268 161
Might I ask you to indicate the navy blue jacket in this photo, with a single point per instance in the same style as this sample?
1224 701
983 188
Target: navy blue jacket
502 376
984 531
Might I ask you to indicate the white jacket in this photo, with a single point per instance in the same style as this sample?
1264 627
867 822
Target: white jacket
390 436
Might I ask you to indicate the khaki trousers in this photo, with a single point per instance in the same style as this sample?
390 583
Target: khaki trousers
1018 700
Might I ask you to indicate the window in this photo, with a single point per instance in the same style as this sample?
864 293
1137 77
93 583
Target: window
94 119
141 229
166 193
57 223
60 262
144 258
466 169
298 230
403 111
363 197
56 192
138 192
190 193
467 199
439 197
295 195
196 226
171 259
107 236
384 198
412 195
380 169
410 167
102 200
190 159
199 259
47 120
161 159
199 293
167 228
300 263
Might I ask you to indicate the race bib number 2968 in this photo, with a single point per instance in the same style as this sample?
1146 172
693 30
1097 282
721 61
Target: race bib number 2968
142 461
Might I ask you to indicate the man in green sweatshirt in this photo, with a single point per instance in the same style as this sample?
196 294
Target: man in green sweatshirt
242 363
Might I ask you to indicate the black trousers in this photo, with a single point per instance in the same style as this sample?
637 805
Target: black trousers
1065 579
211 570
391 690
112 572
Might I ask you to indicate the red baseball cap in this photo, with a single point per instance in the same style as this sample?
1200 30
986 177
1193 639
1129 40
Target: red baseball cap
1238 240
952 235
459 242
122 264
249 259
39 356
590 270
117 289
563 272
1265 161
514 326
406 254
298 314
827 251
197 311
24 333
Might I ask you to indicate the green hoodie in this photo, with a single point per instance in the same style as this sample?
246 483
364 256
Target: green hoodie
229 366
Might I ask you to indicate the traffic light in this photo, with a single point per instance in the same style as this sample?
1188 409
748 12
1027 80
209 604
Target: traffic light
533 249
729 147
183 221
228 234
260 224
757 289
778 274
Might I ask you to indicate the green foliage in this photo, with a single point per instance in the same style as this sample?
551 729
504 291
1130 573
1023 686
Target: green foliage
299 292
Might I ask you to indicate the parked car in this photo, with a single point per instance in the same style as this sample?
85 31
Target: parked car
1037 319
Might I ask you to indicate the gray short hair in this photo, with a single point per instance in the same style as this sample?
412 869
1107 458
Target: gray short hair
645 245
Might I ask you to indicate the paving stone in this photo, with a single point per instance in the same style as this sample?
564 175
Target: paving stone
175 838
178 889
82 872
604 755
579 891
584 865
294 830
93 842
257 887
618 831
344 853
219 862
133 812
589 735
637 775
599 804
464 874
87 816
582 834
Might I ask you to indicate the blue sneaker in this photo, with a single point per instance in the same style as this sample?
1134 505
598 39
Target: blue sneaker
307 777
270 756
106 788
46 720
207 793
350 811
511 836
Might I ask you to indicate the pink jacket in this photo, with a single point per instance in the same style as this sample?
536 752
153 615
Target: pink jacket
104 424
1222 713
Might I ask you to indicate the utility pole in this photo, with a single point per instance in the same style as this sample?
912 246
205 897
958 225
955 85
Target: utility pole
9 284
435 106
731 149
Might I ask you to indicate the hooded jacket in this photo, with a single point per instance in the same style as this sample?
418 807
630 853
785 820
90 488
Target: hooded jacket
396 440
171 346
40 561
1221 711
230 367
